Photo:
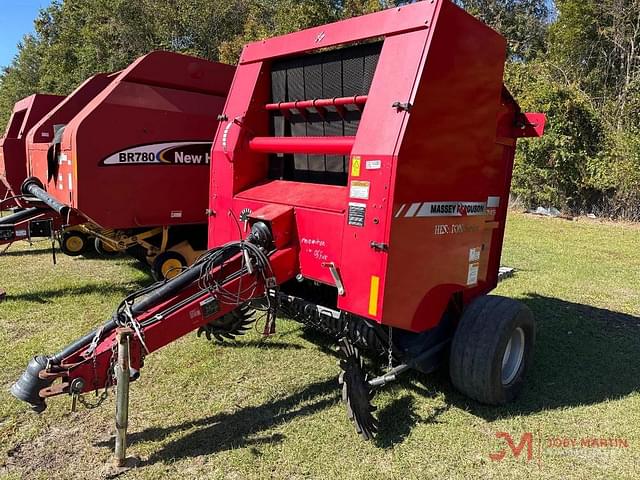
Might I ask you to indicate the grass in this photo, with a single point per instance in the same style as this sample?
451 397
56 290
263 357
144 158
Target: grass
271 409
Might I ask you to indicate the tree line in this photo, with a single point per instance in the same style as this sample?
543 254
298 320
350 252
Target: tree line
576 60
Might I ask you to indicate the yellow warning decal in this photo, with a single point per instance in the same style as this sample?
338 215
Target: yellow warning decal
373 295
355 166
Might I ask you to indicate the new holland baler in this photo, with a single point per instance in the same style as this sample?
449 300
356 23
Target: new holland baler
29 219
359 184
132 163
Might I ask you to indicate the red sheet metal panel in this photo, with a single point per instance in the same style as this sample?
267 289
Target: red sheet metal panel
137 154
421 213
446 195
389 22
40 138
13 160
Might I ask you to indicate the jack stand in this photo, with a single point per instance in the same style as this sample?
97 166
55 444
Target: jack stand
123 338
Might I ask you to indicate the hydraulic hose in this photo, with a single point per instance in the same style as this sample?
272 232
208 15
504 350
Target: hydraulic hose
33 186
19 216
163 292
28 386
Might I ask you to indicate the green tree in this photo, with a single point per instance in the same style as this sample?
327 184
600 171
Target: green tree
523 22
596 44
21 78
560 169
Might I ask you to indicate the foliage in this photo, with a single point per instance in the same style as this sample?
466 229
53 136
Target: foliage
522 22
557 169
597 46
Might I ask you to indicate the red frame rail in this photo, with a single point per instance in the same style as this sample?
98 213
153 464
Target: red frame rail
318 103
313 145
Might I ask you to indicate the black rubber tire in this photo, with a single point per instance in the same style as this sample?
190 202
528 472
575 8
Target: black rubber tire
70 236
480 341
103 252
156 265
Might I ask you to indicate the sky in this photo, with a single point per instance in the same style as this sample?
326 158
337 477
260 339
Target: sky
16 19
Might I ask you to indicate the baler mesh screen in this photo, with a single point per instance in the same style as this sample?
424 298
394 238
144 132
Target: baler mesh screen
344 72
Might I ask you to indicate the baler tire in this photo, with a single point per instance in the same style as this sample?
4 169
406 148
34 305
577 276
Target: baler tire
159 269
99 246
74 243
486 328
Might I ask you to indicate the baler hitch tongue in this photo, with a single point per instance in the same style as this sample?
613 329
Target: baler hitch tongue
34 386
33 186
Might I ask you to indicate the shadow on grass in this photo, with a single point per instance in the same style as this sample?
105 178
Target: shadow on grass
584 355
261 344
106 288
41 251
225 431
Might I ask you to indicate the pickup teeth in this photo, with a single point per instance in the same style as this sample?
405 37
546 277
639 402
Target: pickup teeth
356 392
229 326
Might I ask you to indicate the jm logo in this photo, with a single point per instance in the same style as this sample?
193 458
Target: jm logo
526 440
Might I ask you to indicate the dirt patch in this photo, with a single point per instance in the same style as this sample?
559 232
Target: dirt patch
66 451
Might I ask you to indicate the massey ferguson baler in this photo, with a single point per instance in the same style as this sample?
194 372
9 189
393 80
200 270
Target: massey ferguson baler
133 162
30 218
359 184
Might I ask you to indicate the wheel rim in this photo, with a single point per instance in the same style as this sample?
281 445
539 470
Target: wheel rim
513 356
171 267
74 243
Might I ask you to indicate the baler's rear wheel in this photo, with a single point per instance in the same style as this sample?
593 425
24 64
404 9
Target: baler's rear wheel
231 325
167 265
356 392
104 249
492 349
73 243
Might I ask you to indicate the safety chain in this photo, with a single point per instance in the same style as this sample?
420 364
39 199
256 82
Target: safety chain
390 350
136 327
110 381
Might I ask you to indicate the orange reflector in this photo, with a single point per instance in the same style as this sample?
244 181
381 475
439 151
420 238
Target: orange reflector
373 295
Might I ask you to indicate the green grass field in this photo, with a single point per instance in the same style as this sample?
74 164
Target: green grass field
271 409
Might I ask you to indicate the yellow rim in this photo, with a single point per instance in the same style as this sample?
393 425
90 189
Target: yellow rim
74 243
171 267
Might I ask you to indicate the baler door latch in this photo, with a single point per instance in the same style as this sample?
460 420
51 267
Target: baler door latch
379 247
400 106
336 276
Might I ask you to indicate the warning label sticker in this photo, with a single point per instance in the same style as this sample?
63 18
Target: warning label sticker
357 213
474 254
355 166
359 189
373 165
472 274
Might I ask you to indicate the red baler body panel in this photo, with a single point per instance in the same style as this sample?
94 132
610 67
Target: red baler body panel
13 159
136 154
40 138
420 214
